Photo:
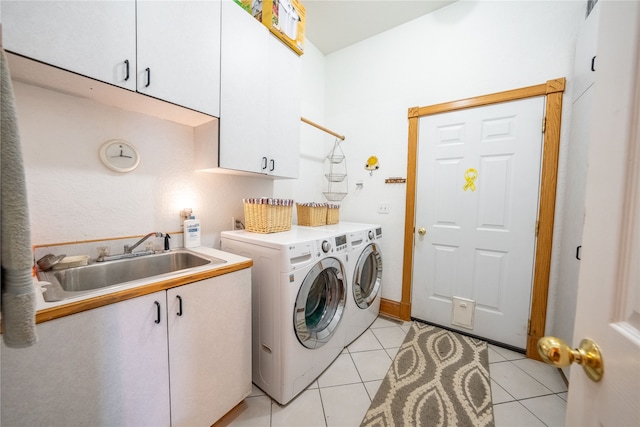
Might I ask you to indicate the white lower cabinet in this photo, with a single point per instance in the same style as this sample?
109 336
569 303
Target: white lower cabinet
109 366
106 366
209 347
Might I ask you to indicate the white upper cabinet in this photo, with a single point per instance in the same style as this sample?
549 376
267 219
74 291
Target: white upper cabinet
586 61
168 50
243 91
259 100
92 38
284 109
179 52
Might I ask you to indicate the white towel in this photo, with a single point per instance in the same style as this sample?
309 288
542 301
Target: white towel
18 293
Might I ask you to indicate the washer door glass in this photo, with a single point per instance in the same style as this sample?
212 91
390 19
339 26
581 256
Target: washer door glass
320 303
367 277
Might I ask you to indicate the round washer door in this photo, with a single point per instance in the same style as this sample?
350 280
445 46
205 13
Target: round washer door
320 303
367 276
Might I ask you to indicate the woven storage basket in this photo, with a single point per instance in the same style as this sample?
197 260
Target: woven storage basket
312 215
265 218
333 214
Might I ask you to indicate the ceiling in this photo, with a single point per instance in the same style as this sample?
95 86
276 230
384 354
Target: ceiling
335 24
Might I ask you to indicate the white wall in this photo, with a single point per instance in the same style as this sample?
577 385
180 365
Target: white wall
73 197
463 50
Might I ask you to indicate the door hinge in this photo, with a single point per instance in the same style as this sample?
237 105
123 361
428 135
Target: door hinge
544 124
537 227
529 327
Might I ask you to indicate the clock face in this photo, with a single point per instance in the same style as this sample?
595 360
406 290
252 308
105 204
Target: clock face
119 155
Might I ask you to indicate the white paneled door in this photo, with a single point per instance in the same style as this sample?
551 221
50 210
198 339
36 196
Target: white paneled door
478 182
608 301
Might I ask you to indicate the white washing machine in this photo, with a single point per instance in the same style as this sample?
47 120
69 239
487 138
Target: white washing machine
299 297
364 275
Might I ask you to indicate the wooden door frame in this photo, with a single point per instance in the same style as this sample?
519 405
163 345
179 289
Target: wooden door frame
553 91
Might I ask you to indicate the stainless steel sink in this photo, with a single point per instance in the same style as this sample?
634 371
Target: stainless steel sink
77 281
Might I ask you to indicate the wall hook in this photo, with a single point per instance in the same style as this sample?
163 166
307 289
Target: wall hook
372 164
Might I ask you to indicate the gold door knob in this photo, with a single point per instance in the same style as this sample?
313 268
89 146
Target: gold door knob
422 231
555 351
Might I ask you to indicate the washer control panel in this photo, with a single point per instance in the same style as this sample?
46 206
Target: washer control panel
341 243
335 244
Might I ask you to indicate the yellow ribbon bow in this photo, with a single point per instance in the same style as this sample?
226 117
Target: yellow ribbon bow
470 176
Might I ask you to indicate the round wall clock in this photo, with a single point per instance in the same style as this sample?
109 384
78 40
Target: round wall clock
119 155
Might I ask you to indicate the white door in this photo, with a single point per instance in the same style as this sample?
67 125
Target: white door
477 201
608 306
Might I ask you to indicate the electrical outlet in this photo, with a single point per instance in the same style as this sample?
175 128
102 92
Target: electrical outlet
383 208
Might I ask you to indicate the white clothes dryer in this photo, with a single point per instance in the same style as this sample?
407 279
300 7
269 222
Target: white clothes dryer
364 274
364 270
299 297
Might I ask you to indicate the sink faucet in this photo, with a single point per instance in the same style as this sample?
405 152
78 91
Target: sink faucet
129 249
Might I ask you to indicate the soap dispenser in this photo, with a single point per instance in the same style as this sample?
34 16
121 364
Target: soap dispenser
191 232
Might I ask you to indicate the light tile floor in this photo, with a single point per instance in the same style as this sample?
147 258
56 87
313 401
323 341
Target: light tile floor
525 392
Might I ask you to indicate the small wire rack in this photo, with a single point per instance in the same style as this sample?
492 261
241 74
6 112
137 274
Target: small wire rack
338 182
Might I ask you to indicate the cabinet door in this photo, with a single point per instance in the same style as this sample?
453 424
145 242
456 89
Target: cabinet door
586 50
179 53
209 347
284 110
93 38
106 366
243 91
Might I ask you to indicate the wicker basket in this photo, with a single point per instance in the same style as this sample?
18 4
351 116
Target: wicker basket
267 218
313 215
333 214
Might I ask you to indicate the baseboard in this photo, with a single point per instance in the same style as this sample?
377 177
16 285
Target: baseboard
395 309
390 308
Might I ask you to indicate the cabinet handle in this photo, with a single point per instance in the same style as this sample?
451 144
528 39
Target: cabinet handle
273 165
593 63
157 312
126 70
264 163
148 71
179 305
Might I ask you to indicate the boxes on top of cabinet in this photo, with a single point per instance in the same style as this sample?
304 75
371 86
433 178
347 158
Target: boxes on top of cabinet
284 18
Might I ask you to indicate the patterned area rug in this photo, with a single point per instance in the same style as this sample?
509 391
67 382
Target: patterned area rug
438 378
